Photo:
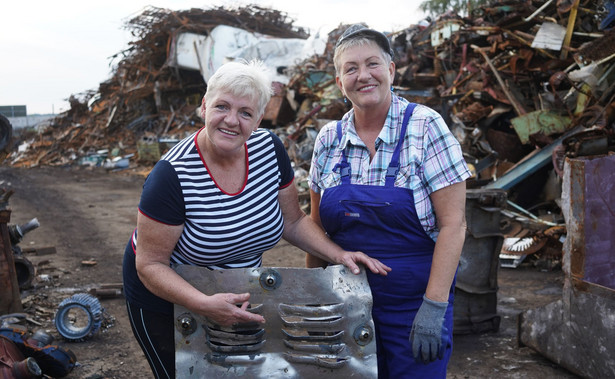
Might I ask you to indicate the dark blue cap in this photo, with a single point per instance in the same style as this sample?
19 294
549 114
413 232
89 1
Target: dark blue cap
357 30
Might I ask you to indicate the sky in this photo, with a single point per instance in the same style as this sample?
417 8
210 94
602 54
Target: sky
53 49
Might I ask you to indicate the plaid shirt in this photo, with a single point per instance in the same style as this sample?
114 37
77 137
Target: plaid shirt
430 157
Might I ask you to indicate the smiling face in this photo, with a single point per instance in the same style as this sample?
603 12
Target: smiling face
364 76
229 122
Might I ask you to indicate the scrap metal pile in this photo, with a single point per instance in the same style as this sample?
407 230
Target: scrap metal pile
521 84
146 95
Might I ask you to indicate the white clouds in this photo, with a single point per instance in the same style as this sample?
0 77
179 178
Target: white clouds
52 49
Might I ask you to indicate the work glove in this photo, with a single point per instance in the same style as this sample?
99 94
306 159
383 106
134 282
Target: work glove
429 336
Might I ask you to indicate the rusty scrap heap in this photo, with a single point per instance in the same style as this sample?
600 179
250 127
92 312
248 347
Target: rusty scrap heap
146 95
513 77
521 84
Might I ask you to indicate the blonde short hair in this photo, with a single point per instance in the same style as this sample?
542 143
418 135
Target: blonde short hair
241 78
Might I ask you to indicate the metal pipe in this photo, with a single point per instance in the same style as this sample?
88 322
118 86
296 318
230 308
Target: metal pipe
546 4
529 214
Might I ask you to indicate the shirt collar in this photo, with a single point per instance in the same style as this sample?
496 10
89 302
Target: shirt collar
389 131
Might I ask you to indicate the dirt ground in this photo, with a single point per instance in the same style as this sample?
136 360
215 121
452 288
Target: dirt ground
89 214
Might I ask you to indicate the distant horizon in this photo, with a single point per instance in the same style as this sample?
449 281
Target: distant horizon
28 114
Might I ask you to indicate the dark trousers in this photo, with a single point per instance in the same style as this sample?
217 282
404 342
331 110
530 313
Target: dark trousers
155 334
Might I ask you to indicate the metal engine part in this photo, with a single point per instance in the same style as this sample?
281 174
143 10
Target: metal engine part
14 365
476 285
52 360
17 232
79 317
24 269
318 322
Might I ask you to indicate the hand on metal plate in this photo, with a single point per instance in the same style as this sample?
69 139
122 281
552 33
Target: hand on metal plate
222 309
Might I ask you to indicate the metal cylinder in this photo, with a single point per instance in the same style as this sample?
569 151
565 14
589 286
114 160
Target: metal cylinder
26 369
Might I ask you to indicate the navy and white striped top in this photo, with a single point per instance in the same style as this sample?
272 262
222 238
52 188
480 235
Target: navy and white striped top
221 230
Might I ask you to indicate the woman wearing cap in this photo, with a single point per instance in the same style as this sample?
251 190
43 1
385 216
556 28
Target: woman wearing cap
217 199
389 179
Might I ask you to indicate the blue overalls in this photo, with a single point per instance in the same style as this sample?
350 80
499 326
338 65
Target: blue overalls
382 222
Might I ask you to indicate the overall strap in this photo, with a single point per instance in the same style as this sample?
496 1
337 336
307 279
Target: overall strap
393 168
343 165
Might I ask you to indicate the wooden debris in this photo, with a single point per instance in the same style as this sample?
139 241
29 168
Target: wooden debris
89 262
39 250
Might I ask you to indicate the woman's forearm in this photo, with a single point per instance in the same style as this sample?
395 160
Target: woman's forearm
445 262
449 206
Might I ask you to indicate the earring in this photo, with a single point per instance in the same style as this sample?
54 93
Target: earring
345 101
